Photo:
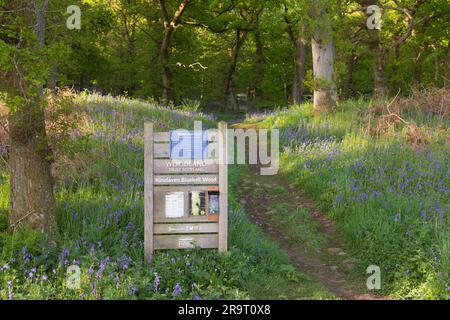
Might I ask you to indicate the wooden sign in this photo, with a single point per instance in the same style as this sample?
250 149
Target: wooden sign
185 191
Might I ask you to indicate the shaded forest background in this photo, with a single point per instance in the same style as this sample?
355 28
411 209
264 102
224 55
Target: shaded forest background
223 52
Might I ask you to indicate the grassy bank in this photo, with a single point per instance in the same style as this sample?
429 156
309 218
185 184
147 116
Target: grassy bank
100 217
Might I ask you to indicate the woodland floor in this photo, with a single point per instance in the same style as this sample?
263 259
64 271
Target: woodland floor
291 219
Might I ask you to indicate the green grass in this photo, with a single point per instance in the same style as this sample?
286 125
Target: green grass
100 209
391 203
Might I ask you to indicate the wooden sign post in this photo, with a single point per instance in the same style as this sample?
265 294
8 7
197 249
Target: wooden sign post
186 200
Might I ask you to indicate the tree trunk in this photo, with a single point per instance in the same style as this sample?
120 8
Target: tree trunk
299 43
379 65
323 65
169 27
227 90
235 102
259 62
348 84
447 68
52 77
299 68
31 186
417 70
379 55
32 202
165 70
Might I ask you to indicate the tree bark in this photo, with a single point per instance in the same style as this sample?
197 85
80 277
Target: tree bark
299 43
417 70
348 84
32 202
379 54
299 68
165 69
170 24
227 90
52 77
259 62
447 68
323 64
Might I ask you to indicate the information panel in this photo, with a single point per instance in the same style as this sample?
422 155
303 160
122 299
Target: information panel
185 189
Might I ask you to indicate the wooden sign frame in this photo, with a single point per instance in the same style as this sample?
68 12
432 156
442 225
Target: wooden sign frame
163 175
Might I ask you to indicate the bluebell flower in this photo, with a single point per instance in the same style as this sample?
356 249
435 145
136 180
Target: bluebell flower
102 266
133 290
176 290
196 297
125 262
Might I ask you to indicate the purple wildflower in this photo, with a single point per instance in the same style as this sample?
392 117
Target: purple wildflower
196 297
125 262
102 267
156 282
177 290
133 290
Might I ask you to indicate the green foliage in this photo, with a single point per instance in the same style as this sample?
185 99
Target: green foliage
116 50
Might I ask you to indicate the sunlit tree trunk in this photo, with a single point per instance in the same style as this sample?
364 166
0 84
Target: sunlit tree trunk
323 63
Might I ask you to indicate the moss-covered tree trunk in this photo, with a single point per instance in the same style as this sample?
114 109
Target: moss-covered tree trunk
32 202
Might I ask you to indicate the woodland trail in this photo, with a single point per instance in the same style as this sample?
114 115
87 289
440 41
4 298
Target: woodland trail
291 219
